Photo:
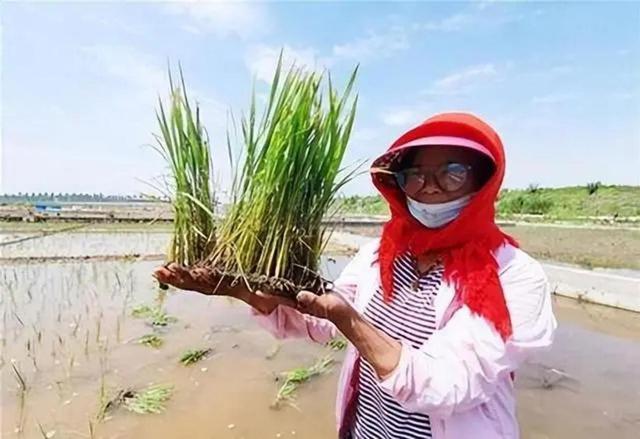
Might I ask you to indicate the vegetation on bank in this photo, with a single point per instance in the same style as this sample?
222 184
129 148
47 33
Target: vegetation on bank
573 202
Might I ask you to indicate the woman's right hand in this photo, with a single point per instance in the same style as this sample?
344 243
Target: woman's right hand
203 281
192 279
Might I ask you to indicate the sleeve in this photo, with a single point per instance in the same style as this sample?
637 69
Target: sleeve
461 364
286 322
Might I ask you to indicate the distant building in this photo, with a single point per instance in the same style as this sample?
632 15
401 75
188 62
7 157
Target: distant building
47 207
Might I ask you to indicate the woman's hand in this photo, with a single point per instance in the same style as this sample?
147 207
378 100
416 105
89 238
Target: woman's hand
382 351
203 281
379 349
331 306
196 279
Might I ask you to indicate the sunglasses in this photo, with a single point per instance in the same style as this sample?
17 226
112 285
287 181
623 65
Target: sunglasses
449 177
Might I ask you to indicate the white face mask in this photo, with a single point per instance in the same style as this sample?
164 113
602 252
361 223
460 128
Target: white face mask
438 214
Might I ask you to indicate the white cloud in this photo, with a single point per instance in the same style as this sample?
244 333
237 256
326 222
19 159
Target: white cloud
483 4
464 80
262 60
560 70
146 74
364 134
452 23
374 45
130 65
224 18
553 98
401 117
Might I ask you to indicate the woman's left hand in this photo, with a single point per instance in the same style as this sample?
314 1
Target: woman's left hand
331 305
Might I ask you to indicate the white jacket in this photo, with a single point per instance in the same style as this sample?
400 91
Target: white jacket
461 377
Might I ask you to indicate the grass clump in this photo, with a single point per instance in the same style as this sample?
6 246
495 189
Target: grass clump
530 203
142 311
293 379
184 144
583 203
151 340
155 315
287 182
194 355
149 400
161 318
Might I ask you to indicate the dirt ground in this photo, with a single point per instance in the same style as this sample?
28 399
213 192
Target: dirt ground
587 247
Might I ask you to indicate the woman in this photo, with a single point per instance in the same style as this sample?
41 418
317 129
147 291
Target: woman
440 311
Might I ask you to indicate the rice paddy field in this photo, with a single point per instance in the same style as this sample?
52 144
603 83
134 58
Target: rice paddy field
92 348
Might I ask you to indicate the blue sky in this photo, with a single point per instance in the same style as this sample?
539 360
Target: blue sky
559 81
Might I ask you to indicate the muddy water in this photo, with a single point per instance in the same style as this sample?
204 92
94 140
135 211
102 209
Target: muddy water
83 244
67 328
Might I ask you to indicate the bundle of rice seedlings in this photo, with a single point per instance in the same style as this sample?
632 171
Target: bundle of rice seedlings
184 144
149 400
273 236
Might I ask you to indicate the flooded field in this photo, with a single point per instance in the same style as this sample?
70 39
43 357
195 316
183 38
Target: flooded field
70 343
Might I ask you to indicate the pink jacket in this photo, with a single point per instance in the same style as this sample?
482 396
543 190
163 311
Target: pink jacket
461 377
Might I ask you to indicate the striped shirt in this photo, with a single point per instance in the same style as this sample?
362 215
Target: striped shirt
409 317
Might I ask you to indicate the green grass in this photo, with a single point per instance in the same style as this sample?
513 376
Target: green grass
290 175
363 205
566 203
184 145
574 202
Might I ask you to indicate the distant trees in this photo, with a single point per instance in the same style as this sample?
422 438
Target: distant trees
68 197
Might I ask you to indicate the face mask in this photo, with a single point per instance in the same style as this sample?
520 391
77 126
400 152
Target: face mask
438 214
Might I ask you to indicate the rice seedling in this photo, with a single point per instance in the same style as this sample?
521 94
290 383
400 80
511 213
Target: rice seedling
86 344
293 379
151 340
22 382
194 355
76 324
23 388
118 329
161 318
142 311
184 144
18 319
273 235
98 329
45 434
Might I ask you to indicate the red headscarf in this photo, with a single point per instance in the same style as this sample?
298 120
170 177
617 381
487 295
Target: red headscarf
468 242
